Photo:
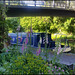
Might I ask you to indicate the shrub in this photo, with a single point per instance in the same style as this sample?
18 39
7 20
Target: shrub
29 64
58 68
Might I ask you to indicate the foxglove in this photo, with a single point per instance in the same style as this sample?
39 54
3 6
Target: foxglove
22 48
59 49
38 51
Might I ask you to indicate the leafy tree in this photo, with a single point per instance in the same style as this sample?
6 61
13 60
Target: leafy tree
38 24
13 23
70 25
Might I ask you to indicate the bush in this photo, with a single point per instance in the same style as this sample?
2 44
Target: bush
29 64
58 68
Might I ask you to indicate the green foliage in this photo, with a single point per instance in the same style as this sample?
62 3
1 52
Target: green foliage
2 25
29 65
12 24
53 24
6 60
39 24
58 68
70 25
14 63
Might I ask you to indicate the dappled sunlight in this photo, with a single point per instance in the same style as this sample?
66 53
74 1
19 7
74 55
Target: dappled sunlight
37 44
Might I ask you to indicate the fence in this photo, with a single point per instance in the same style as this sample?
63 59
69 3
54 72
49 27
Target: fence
55 4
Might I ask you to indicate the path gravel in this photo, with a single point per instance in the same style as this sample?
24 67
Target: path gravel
65 58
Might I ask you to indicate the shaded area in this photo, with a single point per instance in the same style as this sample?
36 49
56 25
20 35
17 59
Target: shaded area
72 45
19 11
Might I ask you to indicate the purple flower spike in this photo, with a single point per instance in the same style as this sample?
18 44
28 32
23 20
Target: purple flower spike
63 70
55 67
6 50
48 70
22 48
59 68
21 39
52 70
59 73
59 50
26 41
38 52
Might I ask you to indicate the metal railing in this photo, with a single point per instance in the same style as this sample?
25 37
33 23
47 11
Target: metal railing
54 4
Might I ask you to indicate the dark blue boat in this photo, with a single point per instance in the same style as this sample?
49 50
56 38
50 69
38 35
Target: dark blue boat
36 38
